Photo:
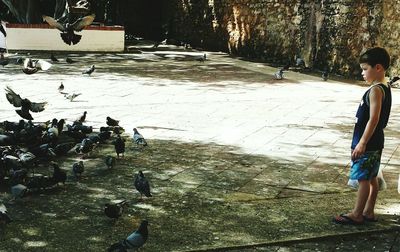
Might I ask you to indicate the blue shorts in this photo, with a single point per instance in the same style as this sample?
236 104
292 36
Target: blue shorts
366 167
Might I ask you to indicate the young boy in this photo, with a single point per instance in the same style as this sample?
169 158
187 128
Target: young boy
368 139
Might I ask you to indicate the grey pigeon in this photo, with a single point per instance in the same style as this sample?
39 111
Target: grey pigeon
142 185
89 71
82 118
25 104
19 191
138 138
279 75
71 97
53 58
67 29
325 74
69 60
202 58
134 241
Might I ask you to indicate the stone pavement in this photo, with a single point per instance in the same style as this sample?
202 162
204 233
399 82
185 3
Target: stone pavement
292 137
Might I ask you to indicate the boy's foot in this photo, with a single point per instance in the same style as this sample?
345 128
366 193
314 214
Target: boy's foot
346 220
370 219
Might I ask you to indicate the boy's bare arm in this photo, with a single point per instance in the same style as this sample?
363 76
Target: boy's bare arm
375 100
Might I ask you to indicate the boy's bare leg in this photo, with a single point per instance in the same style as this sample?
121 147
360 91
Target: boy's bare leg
373 194
362 197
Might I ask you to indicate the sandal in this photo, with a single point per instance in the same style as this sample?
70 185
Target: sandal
346 220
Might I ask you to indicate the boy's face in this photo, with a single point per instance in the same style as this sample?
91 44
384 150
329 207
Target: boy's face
370 73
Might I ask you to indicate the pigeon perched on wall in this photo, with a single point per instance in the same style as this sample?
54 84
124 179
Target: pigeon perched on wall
4 218
119 144
89 70
114 210
142 185
134 241
25 104
110 162
67 29
111 122
77 169
138 138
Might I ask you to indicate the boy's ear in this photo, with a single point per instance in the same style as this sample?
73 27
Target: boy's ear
379 67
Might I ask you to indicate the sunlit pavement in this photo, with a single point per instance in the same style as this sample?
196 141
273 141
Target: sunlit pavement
301 123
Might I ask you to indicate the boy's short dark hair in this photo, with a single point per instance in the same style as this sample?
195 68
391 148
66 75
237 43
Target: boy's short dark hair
376 55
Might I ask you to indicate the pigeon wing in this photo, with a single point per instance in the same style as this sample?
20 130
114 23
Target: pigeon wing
81 23
37 106
13 97
53 23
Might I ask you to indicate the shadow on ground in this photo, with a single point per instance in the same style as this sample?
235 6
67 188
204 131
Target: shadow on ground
205 196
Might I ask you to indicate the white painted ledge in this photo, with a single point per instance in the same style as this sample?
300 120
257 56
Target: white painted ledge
43 37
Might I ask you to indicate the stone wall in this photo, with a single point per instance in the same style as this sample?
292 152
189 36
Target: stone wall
325 33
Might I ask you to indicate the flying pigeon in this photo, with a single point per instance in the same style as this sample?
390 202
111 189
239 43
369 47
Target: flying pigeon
138 138
142 185
89 70
67 30
32 66
25 104
134 241
71 97
114 210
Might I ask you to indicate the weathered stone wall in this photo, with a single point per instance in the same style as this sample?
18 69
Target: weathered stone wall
325 33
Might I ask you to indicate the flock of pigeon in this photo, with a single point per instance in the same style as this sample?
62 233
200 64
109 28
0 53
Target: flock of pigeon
300 64
24 145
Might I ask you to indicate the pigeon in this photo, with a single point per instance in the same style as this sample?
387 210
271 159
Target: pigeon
69 60
82 118
77 169
32 66
53 58
300 62
110 162
19 191
25 104
111 122
142 185
71 97
3 61
392 82
4 218
67 30
61 87
134 241
138 138
279 75
58 174
89 70
202 58
325 74
114 210
119 145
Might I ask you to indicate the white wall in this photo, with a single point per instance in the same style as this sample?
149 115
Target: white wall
50 39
